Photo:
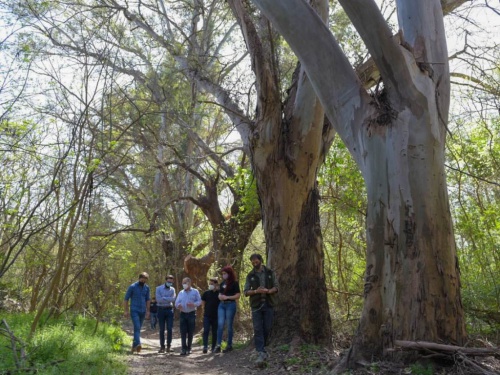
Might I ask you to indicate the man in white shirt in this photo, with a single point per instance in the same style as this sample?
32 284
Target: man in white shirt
187 302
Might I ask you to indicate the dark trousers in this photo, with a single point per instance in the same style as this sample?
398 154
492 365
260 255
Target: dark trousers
165 317
187 324
262 319
153 319
207 324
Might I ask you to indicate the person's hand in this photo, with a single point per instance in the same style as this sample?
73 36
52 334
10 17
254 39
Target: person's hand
222 297
147 315
262 290
126 314
190 304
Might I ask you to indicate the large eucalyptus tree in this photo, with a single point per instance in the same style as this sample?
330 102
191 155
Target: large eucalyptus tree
397 138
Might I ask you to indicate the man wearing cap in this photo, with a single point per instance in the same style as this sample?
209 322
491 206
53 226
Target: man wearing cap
261 286
138 294
165 296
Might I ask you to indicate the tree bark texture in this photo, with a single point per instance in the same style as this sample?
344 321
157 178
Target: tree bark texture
397 137
286 148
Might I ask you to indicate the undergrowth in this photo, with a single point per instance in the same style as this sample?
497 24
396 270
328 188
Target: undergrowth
70 345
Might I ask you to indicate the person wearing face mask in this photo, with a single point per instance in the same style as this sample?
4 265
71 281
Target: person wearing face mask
210 302
228 295
187 302
261 286
165 296
138 294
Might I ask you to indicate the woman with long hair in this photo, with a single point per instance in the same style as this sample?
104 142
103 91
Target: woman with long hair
229 293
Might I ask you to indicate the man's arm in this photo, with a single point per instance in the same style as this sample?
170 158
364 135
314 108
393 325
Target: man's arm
172 298
197 301
148 306
275 287
246 290
125 309
178 302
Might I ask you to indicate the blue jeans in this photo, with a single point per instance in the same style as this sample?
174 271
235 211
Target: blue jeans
165 316
225 315
154 320
207 323
137 319
187 324
262 319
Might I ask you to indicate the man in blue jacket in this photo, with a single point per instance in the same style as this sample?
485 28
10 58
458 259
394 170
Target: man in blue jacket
138 294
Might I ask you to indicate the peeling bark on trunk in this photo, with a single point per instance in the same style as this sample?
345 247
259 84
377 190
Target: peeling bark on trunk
412 284
287 147
397 137
294 243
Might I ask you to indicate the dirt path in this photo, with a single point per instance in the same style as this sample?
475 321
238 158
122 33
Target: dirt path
241 361
148 361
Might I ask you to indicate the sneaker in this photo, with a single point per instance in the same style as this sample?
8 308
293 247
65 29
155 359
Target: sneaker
168 349
183 352
138 348
228 349
261 358
217 349
162 350
205 350
188 352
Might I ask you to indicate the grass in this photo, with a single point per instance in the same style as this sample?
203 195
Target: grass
307 360
65 347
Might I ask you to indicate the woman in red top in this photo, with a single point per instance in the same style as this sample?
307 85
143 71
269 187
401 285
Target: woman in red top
228 295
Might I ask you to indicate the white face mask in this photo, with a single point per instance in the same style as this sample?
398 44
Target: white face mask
211 287
185 286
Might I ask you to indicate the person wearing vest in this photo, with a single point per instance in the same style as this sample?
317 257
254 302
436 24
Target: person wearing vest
261 286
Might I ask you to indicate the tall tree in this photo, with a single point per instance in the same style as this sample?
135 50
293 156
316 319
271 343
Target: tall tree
397 137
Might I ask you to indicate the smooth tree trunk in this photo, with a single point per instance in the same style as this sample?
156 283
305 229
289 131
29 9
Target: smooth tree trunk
397 137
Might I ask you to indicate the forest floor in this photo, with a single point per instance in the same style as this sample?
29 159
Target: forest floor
283 360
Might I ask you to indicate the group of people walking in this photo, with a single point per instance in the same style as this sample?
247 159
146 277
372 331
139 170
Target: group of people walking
219 308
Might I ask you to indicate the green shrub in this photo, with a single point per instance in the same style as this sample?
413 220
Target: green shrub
64 346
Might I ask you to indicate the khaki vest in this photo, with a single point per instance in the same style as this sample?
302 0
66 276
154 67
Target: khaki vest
254 281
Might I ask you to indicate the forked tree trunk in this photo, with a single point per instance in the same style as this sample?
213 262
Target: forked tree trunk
287 147
397 138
